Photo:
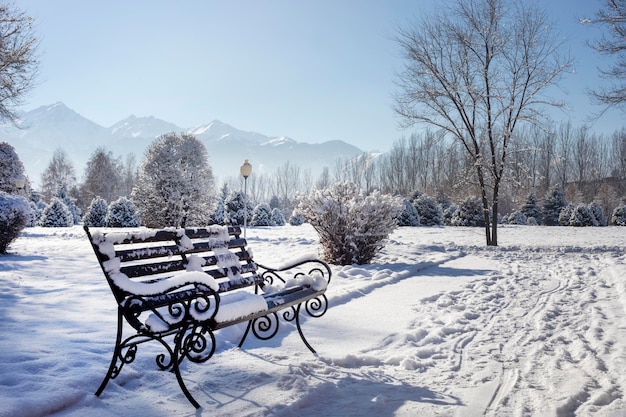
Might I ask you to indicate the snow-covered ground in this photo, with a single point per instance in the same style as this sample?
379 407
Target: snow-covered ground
438 325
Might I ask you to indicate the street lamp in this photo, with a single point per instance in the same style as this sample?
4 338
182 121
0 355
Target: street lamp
245 170
20 182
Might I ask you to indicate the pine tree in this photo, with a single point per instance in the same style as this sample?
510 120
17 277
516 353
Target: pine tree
582 216
430 212
469 213
121 213
409 215
261 216
96 213
217 217
235 206
619 216
553 203
296 218
565 215
598 213
56 214
531 208
277 217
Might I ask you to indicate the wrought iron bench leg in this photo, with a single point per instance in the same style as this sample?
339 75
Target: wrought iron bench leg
116 353
179 352
300 330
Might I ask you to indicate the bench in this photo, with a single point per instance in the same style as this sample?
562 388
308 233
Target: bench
177 287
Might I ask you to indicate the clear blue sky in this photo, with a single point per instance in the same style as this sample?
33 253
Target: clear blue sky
312 70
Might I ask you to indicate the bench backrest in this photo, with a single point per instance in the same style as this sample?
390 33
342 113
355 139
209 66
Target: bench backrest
152 255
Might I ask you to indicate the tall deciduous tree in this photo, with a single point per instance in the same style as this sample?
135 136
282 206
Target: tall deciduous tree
175 183
59 173
476 70
613 17
18 59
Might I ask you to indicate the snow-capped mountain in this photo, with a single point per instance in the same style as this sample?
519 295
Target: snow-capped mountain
42 130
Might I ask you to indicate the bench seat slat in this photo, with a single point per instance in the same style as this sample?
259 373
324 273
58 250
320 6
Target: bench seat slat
135 254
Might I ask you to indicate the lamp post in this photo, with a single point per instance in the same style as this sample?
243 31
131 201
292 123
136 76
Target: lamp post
20 182
245 170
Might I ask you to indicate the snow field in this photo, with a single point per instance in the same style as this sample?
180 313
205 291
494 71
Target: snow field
438 325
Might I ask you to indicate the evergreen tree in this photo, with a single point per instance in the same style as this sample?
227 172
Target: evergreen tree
582 216
598 213
552 205
175 183
448 214
619 216
217 217
429 211
531 208
565 215
277 217
409 215
469 213
70 203
274 202
235 206
261 216
96 213
56 214
121 213
517 217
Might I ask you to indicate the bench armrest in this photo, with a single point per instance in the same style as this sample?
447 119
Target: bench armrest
308 272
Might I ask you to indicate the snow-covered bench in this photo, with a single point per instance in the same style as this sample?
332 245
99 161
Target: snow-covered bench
178 286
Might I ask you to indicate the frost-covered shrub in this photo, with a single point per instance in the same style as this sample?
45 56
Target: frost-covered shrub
598 213
96 213
261 215
582 216
15 213
429 210
296 218
409 216
56 214
553 203
122 213
277 217
235 207
566 214
469 213
517 217
352 226
448 214
619 216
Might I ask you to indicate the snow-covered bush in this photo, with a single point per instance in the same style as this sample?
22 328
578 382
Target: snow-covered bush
235 207
277 217
565 214
15 213
352 226
553 203
409 216
96 213
429 210
261 215
517 217
296 218
56 214
11 168
598 213
121 213
448 214
469 213
582 216
619 216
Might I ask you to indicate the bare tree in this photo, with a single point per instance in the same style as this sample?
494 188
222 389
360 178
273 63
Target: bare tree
613 17
59 172
18 59
476 70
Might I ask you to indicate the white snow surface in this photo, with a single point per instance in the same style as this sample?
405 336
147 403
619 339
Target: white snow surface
439 324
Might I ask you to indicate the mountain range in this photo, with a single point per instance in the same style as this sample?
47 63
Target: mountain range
41 131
